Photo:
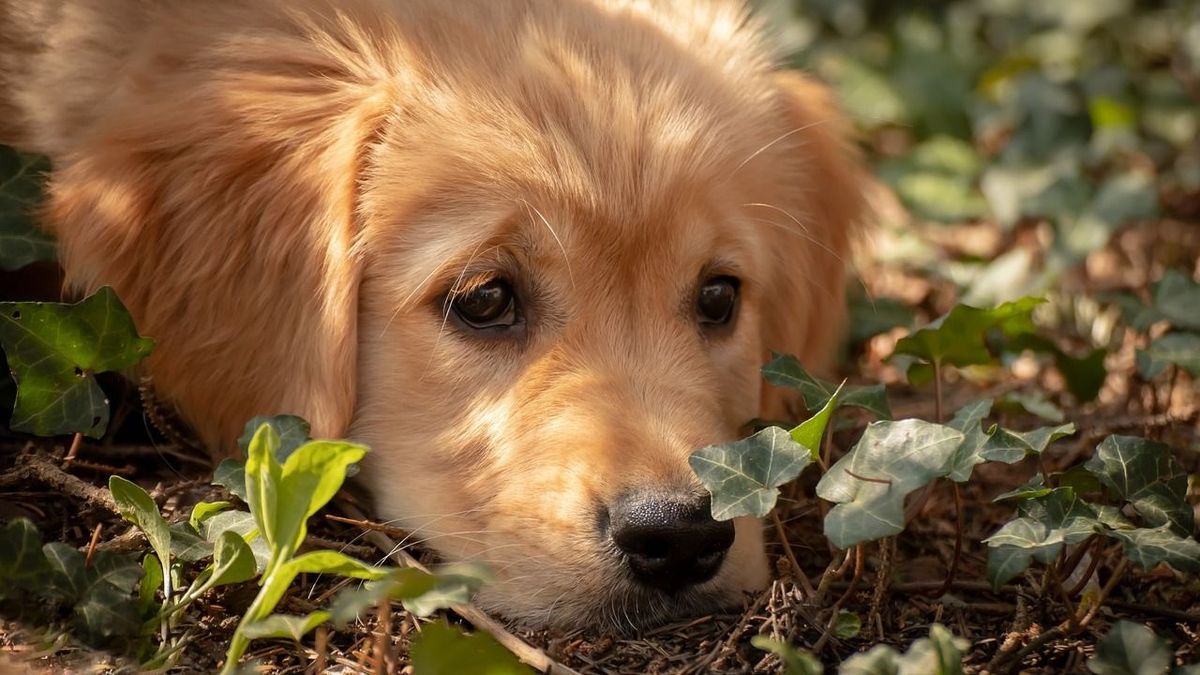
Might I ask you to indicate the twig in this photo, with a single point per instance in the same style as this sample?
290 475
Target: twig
831 573
383 641
524 651
859 557
703 665
958 542
1104 593
369 525
805 587
1165 612
76 441
37 468
883 577
91 549
321 646
881 481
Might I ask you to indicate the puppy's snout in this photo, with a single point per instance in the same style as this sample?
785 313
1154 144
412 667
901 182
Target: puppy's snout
670 542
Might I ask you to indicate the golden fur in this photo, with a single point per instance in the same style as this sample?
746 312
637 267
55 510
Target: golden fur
284 191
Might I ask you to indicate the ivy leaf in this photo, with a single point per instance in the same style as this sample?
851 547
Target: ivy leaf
443 650
1130 649
23 565
1032 489
1031 402
1172 349
1043 526
293 432
455 584
744 476
1009 446
102 594
54 351
795 661
968 420
869 484
1176 298
784 370
810 432
1145 474
231 475
21 179
958 338
186 543
1147 547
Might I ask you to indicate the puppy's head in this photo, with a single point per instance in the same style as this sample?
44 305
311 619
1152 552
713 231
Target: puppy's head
577 263
573 234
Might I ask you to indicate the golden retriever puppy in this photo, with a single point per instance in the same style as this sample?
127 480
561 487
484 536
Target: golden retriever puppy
531 252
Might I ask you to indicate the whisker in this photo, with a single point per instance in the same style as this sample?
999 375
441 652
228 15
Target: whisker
779 138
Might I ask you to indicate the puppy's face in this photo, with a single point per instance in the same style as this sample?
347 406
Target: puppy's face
532 253
562 300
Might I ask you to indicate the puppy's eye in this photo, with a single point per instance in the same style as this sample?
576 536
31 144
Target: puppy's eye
717 300
489 305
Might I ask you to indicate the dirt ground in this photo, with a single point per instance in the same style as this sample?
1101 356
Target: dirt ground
899 589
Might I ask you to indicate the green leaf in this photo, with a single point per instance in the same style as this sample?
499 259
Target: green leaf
1009 446
233 561
1172 349
1043 526
399 584
455 585
202 511
293 432
23 565
1147 547
54 351
968 420
810 432
102 594
21 179
871 316
848 625
1130 649
138 508
1145 474
152 578
785 371
186 543
869 484
1177 297
744 476
231 475
442 650
795 661
284 626
939 654
958 337
1031 402
283 497
243 524
1032 489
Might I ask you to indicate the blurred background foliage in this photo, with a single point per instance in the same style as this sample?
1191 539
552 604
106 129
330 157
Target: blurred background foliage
1072 118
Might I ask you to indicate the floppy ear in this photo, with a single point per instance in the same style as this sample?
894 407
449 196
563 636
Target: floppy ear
824 192
217 193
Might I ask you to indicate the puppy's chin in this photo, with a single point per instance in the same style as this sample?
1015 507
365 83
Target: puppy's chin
610 601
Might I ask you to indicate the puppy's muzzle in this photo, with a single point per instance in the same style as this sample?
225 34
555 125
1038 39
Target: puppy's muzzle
669 542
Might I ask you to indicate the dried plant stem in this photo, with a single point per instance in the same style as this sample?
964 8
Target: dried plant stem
524 651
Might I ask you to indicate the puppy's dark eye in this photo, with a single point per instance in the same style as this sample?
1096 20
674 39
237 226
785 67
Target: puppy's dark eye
717 301
489 305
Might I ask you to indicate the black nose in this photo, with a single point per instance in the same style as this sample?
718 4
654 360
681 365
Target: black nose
670 543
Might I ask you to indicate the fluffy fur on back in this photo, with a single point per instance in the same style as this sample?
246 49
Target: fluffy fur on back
287 193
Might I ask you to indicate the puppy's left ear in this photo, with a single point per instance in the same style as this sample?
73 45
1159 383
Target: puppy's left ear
826 206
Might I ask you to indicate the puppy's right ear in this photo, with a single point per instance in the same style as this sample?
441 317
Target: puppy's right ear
218 194
819 217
